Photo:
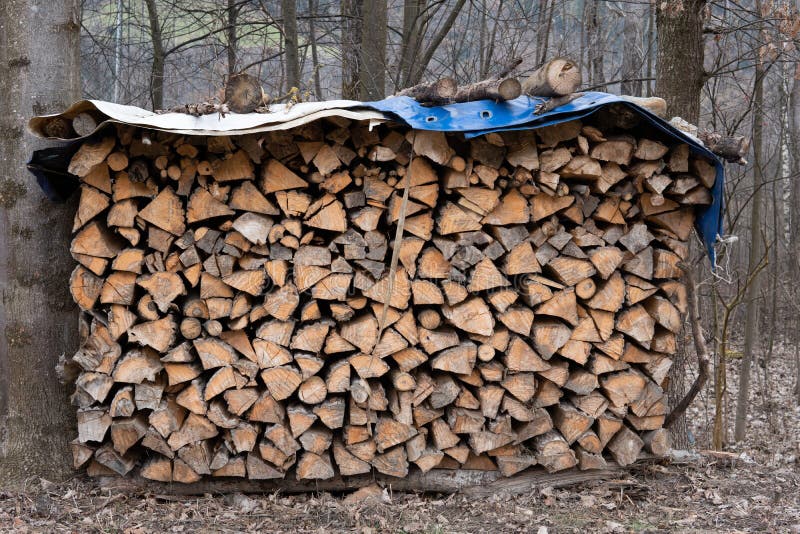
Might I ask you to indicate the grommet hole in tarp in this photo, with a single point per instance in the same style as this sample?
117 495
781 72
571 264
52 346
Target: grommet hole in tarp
486 114
430 118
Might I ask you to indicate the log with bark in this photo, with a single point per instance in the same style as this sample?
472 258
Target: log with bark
246 320
445 90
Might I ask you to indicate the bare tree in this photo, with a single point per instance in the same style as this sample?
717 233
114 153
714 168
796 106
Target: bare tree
756 252
289 11
794 122
159 57
352 29
233 15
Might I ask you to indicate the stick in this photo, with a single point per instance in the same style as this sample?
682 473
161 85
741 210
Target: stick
703 360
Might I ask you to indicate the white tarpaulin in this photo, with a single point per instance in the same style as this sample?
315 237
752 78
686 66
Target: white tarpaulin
280 117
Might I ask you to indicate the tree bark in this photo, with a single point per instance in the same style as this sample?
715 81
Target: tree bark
289 11
39 74
159 57
679 70
373 50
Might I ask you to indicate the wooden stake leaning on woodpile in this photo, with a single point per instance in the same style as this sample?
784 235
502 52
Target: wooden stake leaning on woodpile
244 316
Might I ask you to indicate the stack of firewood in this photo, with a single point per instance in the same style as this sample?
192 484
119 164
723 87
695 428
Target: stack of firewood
244 317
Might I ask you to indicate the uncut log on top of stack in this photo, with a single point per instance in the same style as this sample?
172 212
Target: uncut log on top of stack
233 288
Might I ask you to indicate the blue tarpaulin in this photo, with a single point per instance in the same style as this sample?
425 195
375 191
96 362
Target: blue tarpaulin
481 117
470 118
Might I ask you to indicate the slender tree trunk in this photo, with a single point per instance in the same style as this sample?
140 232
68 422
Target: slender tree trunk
679 70
425 56
546 15
157 68
39 73
595 48
488 62
373 50
632 56
352 28
794 132
230 31
312 36
651 45
289 11
410 40
756 253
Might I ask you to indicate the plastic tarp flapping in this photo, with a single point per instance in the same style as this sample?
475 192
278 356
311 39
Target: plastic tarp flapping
470 118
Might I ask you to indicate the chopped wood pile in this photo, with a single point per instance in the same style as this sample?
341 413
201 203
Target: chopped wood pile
245 317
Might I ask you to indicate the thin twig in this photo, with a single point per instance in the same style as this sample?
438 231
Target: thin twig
703 360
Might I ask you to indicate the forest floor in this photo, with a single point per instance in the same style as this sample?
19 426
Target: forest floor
753 487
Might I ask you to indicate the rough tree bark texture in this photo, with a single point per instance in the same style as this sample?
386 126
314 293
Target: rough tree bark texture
679 80
373 50
679 72
39 73
289 10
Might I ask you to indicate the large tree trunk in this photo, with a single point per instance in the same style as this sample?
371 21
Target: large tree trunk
289 11
679 80
373 50
159 57
39 73
679 71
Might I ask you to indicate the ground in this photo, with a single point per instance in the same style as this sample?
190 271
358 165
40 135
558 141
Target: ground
752 487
